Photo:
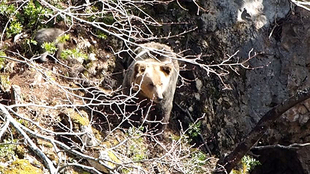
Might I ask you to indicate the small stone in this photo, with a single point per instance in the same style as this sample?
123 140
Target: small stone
15 95
198 85
303 119
197 96
302 109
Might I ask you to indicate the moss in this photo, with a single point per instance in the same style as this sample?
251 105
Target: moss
125 171
137 150
105 154
75 53
7 151
44 143
98 134
5 82
83 172
24 122
175 137
20 151
2 59
113 158
21 166
77 118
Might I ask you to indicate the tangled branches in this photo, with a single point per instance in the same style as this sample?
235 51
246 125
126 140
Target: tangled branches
65 116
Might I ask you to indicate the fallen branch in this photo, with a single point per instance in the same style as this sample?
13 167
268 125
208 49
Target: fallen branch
230 161
48 163
294 146
302 4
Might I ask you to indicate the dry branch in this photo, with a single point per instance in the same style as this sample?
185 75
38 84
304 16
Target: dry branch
302 4
126 29
66 148
294 146
48 163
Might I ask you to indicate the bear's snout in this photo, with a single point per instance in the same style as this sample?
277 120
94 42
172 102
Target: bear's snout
159 98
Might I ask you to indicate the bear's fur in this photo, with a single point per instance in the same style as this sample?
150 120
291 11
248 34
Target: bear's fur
48 35
153 76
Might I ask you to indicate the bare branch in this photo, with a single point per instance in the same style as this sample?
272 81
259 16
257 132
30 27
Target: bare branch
294 146
302 4
48 163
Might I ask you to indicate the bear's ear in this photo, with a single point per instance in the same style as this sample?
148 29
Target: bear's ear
166 69
139 68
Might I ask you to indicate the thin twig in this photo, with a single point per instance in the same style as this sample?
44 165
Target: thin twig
192 120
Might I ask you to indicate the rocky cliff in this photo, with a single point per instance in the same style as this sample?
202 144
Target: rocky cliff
278 32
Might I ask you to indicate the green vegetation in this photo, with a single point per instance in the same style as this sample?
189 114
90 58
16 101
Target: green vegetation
199 158
247 164
49 47
108 19
63 38
20 17
76 117
2 59
5 9
21 166
7 150
250 162
74 53
34 12
11 151
14 28
196 162
137 150
194 130
101 35
5 81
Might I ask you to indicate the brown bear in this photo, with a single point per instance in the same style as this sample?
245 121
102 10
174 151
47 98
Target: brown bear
153 76
48 35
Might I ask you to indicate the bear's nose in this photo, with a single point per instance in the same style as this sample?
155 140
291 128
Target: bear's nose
160 98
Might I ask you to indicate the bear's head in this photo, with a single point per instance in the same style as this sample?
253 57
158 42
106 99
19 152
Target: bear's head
152 79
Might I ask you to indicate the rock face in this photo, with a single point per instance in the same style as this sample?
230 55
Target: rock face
279 33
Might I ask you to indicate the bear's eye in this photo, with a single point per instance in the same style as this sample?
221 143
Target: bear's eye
142 69
165 69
